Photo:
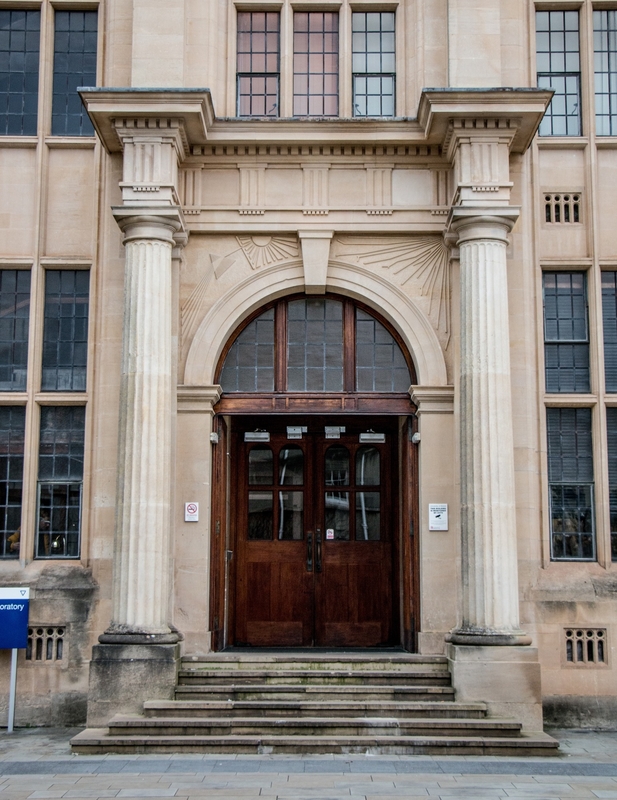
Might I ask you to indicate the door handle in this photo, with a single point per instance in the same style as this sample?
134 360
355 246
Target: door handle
309 551
318 549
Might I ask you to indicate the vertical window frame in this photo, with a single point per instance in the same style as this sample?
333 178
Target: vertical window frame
251 74
572 78
366 74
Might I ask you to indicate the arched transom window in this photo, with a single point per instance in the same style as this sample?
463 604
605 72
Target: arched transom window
315 344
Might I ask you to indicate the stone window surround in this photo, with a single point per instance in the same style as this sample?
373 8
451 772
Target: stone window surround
47 8
344 9
33 398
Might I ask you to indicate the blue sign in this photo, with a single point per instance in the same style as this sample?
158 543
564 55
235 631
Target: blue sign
14 608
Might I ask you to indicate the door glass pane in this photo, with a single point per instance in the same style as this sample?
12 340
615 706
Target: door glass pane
261 467
337 466
337 516
291 466
260 515
315 346
291 515
367 516
367 466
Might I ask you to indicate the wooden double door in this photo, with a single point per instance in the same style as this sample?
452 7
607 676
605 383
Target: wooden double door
314 520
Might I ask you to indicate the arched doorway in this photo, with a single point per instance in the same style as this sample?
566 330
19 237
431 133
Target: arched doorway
319 508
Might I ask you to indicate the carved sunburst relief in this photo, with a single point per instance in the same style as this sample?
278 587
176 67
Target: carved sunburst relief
421 258
263 251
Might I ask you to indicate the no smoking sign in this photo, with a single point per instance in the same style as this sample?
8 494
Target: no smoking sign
191 512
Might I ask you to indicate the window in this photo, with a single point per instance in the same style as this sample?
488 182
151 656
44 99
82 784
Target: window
605 67
12 427
258 66
61 470
558 66
65 335
373 64
19 71
611 430
14 320
315 344
74 65
570 475
609 321
315 84
566 334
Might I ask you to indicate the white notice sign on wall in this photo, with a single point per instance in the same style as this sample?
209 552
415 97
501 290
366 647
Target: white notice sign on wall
438 516
191 512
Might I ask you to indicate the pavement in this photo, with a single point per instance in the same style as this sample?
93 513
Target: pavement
36 764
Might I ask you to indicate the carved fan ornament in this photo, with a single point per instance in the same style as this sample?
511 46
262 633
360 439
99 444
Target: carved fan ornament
263 251
423 258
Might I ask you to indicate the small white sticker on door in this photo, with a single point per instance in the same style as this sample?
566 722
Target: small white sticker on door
329 533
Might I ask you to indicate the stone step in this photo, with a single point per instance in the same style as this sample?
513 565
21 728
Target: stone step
328 693
401 662
322 677
310 708
97 741
310 726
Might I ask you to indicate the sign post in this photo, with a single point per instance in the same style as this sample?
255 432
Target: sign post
14 610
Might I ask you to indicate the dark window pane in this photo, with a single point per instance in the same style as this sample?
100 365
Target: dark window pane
291 515
566 350
605 66
570 474
315 345
257 66
337 516
611 430
14 318
337 466
75 36
368 466
373 64
12 426
65 331
291 466
368 516
380 364
260 513
609 319
59 518
249 365
316 64
19 70
261 466
558 65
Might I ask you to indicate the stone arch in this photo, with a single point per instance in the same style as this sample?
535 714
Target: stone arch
346 279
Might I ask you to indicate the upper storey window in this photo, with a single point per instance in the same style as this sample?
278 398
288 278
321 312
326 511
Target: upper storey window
373 64
559 68
316 64
566 332
20 33
258 75
605 61
74 65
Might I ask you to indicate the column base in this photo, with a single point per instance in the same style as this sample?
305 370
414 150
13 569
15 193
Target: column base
123 676
507 679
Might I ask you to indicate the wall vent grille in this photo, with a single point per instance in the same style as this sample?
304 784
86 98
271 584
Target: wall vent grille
586 647
46 643
562 207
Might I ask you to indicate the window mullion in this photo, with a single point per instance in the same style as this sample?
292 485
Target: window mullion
280 347
349 346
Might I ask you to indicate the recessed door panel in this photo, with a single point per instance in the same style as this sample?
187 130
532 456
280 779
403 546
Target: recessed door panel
314 532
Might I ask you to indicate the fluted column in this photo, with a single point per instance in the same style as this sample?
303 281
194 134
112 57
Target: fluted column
141 582
490 612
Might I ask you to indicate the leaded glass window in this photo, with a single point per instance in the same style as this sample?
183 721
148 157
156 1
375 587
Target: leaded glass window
258 68
566 332
380 363
558 65
611 429
315 346
315 85
249 366
373 63
61 471
75 42
14 321
571 484
65 333
20 33
609 322
12 427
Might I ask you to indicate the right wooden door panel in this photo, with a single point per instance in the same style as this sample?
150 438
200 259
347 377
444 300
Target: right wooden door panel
314 528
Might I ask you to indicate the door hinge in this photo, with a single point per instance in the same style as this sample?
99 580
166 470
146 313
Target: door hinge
217 527
229 555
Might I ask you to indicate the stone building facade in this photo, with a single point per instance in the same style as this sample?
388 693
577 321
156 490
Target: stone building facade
201 287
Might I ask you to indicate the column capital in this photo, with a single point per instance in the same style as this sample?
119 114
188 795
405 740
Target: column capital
198 399
433 399
468 223
165 224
